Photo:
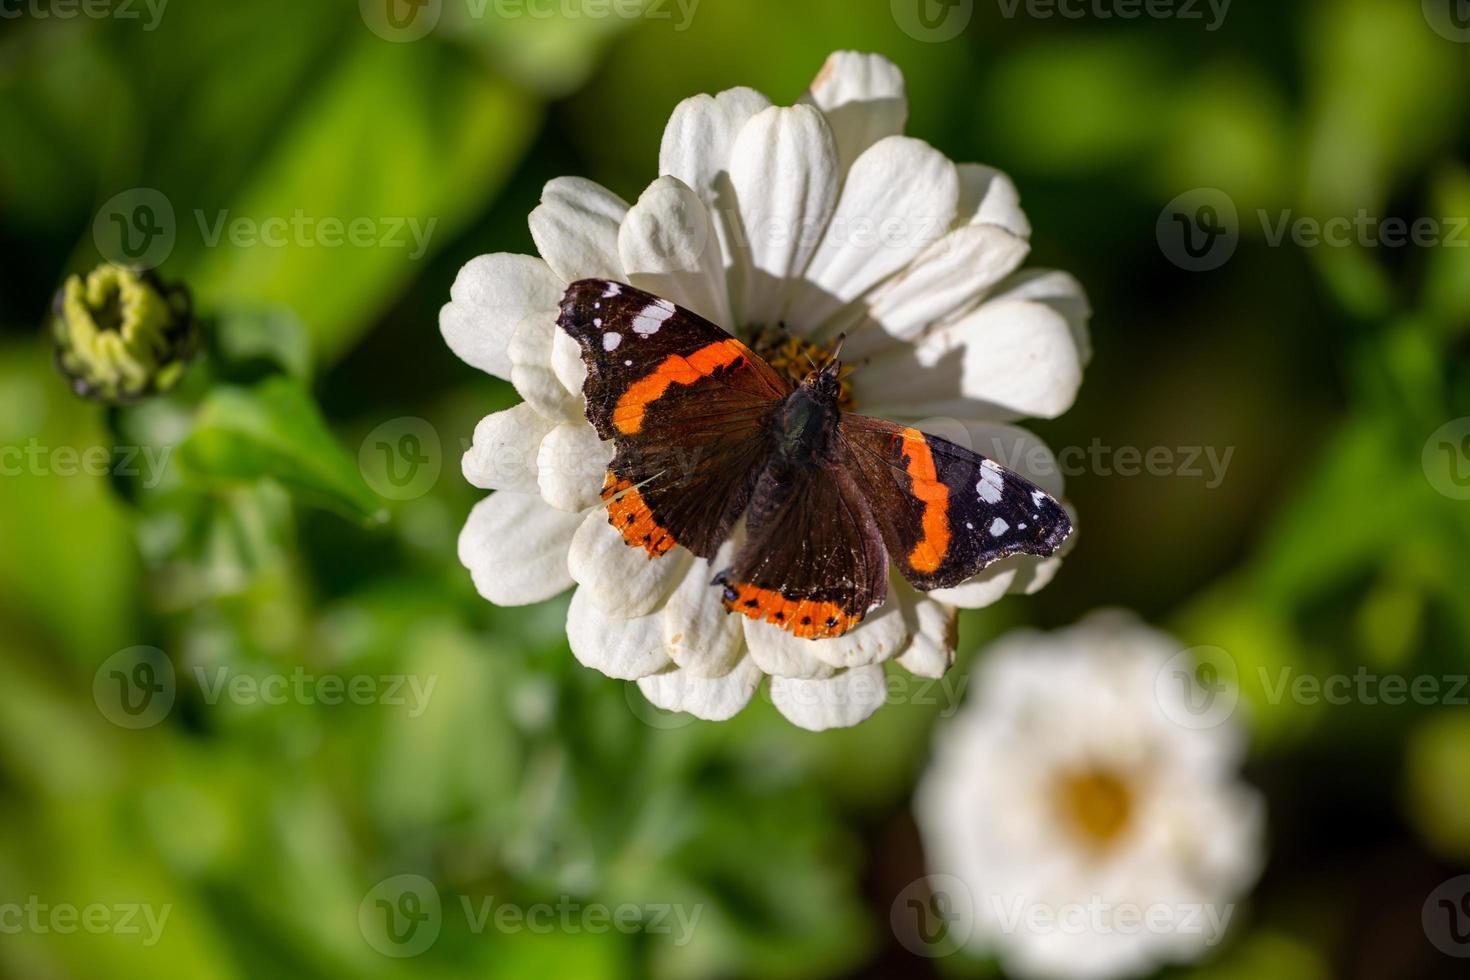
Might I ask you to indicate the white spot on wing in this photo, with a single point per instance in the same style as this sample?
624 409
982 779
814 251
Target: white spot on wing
992 483
610 341
1037 497
998 527
613 289
651 317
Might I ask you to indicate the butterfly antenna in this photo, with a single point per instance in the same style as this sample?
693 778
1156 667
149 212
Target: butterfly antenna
836 353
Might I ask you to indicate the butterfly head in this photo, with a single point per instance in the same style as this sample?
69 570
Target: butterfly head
826 381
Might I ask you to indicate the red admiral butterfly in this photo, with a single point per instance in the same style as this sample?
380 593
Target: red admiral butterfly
706 430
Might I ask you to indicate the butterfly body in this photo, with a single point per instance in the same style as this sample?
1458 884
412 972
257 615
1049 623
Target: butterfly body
707 432
805 429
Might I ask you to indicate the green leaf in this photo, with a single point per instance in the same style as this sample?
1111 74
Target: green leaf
273 335
398 142
274 431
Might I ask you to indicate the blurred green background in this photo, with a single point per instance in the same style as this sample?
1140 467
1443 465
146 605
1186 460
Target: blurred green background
1334 541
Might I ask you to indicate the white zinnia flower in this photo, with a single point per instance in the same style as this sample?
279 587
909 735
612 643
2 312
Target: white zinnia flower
784 225
1097 835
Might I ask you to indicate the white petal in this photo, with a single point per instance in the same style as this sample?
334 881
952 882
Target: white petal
531 371
697 146
503 453
669 247
515 547
876 639
489 298
1005 360
710 698
780 654
1058 290
704 638
988 196
863 98
576 229
899 199
952 275
622 581
566 361
571 467
784 171
985 588
1037 574
931 648
700 138
623 648
837 702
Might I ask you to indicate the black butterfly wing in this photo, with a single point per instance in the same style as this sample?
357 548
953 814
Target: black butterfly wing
687 406
945 512
813 562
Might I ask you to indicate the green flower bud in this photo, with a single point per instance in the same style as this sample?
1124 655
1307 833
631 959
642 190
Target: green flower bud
121 334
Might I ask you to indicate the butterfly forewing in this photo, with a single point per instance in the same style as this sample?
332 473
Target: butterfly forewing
946 512
687 406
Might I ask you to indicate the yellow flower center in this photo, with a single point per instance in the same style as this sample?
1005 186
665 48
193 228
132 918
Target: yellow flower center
796 358
1095 804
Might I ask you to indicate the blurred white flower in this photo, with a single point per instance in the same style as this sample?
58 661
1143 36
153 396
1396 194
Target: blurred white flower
1096 837
785 225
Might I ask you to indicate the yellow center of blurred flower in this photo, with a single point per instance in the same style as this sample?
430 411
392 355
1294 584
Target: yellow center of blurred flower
796 358
1095 804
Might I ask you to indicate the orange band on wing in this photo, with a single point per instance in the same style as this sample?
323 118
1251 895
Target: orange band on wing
929 552
810 619
629 513
675 370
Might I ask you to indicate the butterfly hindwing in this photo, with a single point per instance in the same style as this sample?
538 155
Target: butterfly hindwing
946 512
687 406
813 562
